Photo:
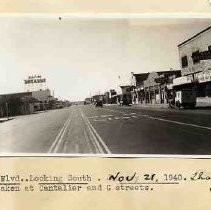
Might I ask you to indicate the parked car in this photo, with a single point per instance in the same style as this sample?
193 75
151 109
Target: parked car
185 98
99 103
125 101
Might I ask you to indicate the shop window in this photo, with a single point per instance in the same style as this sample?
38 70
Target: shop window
184 61
196 57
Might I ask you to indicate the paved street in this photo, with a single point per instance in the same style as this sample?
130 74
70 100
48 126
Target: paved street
112 129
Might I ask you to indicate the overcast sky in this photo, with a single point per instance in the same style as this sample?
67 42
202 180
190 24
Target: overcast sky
80 57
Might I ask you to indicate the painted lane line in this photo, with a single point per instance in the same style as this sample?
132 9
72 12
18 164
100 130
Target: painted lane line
56 149
95 142
59 137
144 115
111 110
134 117
109 115
96 137
117 118
93 139
99 120
100 139
170 121
93 117
88 142
125 117
181 123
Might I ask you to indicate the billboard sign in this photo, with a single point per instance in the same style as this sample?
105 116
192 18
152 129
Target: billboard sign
35 79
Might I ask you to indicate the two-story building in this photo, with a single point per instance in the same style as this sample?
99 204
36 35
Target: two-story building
138 94
151 87
195 60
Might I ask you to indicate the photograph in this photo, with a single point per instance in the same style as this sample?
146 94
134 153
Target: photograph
111 86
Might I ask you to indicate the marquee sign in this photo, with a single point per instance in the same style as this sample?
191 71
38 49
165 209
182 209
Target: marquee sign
35 79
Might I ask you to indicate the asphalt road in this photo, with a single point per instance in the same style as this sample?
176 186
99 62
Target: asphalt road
111 129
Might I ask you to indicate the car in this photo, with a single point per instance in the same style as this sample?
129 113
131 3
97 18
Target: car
125 101
99 103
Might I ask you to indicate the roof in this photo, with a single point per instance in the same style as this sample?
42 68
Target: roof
141 77
125 86
201 32
144 76
19 94
168 72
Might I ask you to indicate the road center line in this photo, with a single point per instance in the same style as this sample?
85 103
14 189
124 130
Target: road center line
59 137
98 140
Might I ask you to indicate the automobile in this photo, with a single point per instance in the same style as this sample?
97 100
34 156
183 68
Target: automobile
185 98
99 103
125 101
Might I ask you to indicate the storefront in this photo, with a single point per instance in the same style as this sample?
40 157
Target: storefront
204 84
155 86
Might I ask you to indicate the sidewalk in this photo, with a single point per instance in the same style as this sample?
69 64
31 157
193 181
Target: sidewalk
4 119
203 102
163 106
199 105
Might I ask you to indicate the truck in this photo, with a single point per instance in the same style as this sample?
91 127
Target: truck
183 92
185 98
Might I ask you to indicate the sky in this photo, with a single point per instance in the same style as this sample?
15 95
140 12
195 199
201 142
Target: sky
81 57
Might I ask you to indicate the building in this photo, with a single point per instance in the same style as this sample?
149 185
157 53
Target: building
112 96
126 93
155 86
24 102
151 87
35 83
87 101
17 104
138 87
97 97
43 97
106 98
195 60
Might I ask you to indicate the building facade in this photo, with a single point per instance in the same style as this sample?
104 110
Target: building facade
126 93
138 94
152 87
195 60
24 102
17 104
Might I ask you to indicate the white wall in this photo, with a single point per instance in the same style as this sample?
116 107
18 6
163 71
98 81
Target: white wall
42 95
200 43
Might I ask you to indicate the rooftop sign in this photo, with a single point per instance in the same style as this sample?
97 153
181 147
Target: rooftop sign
35 79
